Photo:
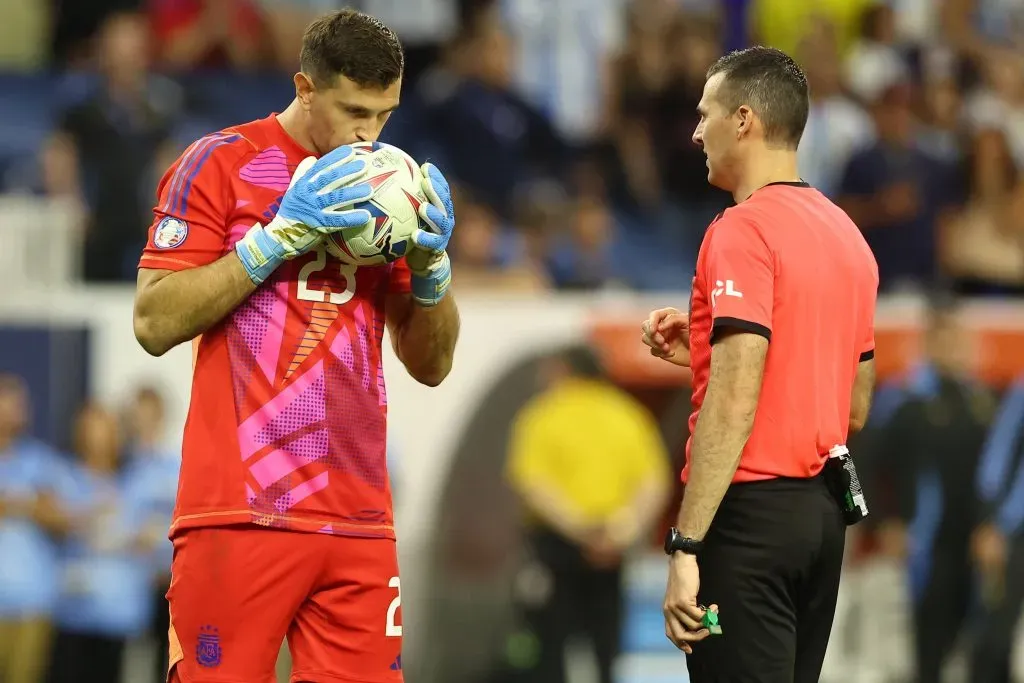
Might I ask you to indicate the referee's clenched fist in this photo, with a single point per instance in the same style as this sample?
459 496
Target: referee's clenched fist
780 339
683 616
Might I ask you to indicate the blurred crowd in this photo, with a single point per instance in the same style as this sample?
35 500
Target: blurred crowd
566 124
84 555
934 577
566 127
943 465
933 582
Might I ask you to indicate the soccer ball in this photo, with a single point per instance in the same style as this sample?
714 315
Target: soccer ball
398 194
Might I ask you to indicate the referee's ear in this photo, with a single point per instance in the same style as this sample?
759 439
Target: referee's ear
744 120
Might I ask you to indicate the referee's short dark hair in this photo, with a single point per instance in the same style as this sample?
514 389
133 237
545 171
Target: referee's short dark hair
772 84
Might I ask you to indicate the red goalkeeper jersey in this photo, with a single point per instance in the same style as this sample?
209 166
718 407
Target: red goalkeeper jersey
286 426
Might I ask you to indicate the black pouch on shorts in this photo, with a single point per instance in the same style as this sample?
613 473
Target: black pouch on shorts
843 483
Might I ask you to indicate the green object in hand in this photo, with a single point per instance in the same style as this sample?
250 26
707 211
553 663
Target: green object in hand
710 622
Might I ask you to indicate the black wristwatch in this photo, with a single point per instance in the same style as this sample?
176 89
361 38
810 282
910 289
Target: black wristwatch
675 542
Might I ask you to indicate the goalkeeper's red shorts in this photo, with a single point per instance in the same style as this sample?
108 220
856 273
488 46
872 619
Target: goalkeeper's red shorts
237 592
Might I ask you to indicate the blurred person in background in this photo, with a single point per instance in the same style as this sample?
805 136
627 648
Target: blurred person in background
539 222
997 545
490 255
563 48
874 59
205 34
151 481
983 244
24 34
973 27
940 134
74 25
895 193
654 177
998 101
930 449
31 523
285 22
466 116
591 469
638 76
654 85
583 257
917 21
423 24
836 125
783 24
104 148
692 46
105 596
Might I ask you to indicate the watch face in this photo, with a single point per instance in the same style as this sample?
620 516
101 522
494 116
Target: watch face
670 538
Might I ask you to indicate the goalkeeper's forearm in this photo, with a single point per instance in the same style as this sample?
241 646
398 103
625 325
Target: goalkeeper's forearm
425 340
173 307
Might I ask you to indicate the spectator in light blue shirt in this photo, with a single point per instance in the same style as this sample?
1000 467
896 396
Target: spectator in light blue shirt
30 522
151 481
107 559
998 544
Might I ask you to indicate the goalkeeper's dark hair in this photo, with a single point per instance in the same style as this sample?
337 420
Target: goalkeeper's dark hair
354 45
773 85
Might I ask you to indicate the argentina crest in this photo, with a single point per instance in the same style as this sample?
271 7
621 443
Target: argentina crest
208 650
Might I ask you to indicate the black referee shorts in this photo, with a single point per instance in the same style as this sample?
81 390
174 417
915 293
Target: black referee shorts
771 562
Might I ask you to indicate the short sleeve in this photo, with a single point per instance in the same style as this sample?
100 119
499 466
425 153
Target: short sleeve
740 274
867 328
190 220
867 341
401 278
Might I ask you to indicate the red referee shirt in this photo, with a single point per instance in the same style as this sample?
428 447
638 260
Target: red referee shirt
790 265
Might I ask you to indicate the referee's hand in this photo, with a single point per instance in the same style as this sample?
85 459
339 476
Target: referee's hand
683 615
666 332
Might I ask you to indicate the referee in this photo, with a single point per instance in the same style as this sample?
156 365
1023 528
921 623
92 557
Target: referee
780 338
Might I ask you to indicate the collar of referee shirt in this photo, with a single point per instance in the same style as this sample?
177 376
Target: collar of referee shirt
790 183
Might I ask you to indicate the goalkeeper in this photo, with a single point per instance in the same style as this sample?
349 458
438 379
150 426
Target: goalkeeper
283 525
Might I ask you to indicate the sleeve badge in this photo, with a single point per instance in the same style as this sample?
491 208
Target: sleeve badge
170 233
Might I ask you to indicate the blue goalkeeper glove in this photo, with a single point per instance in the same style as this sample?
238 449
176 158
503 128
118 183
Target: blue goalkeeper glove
428 260
318 202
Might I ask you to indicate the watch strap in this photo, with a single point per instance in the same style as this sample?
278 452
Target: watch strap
676 542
